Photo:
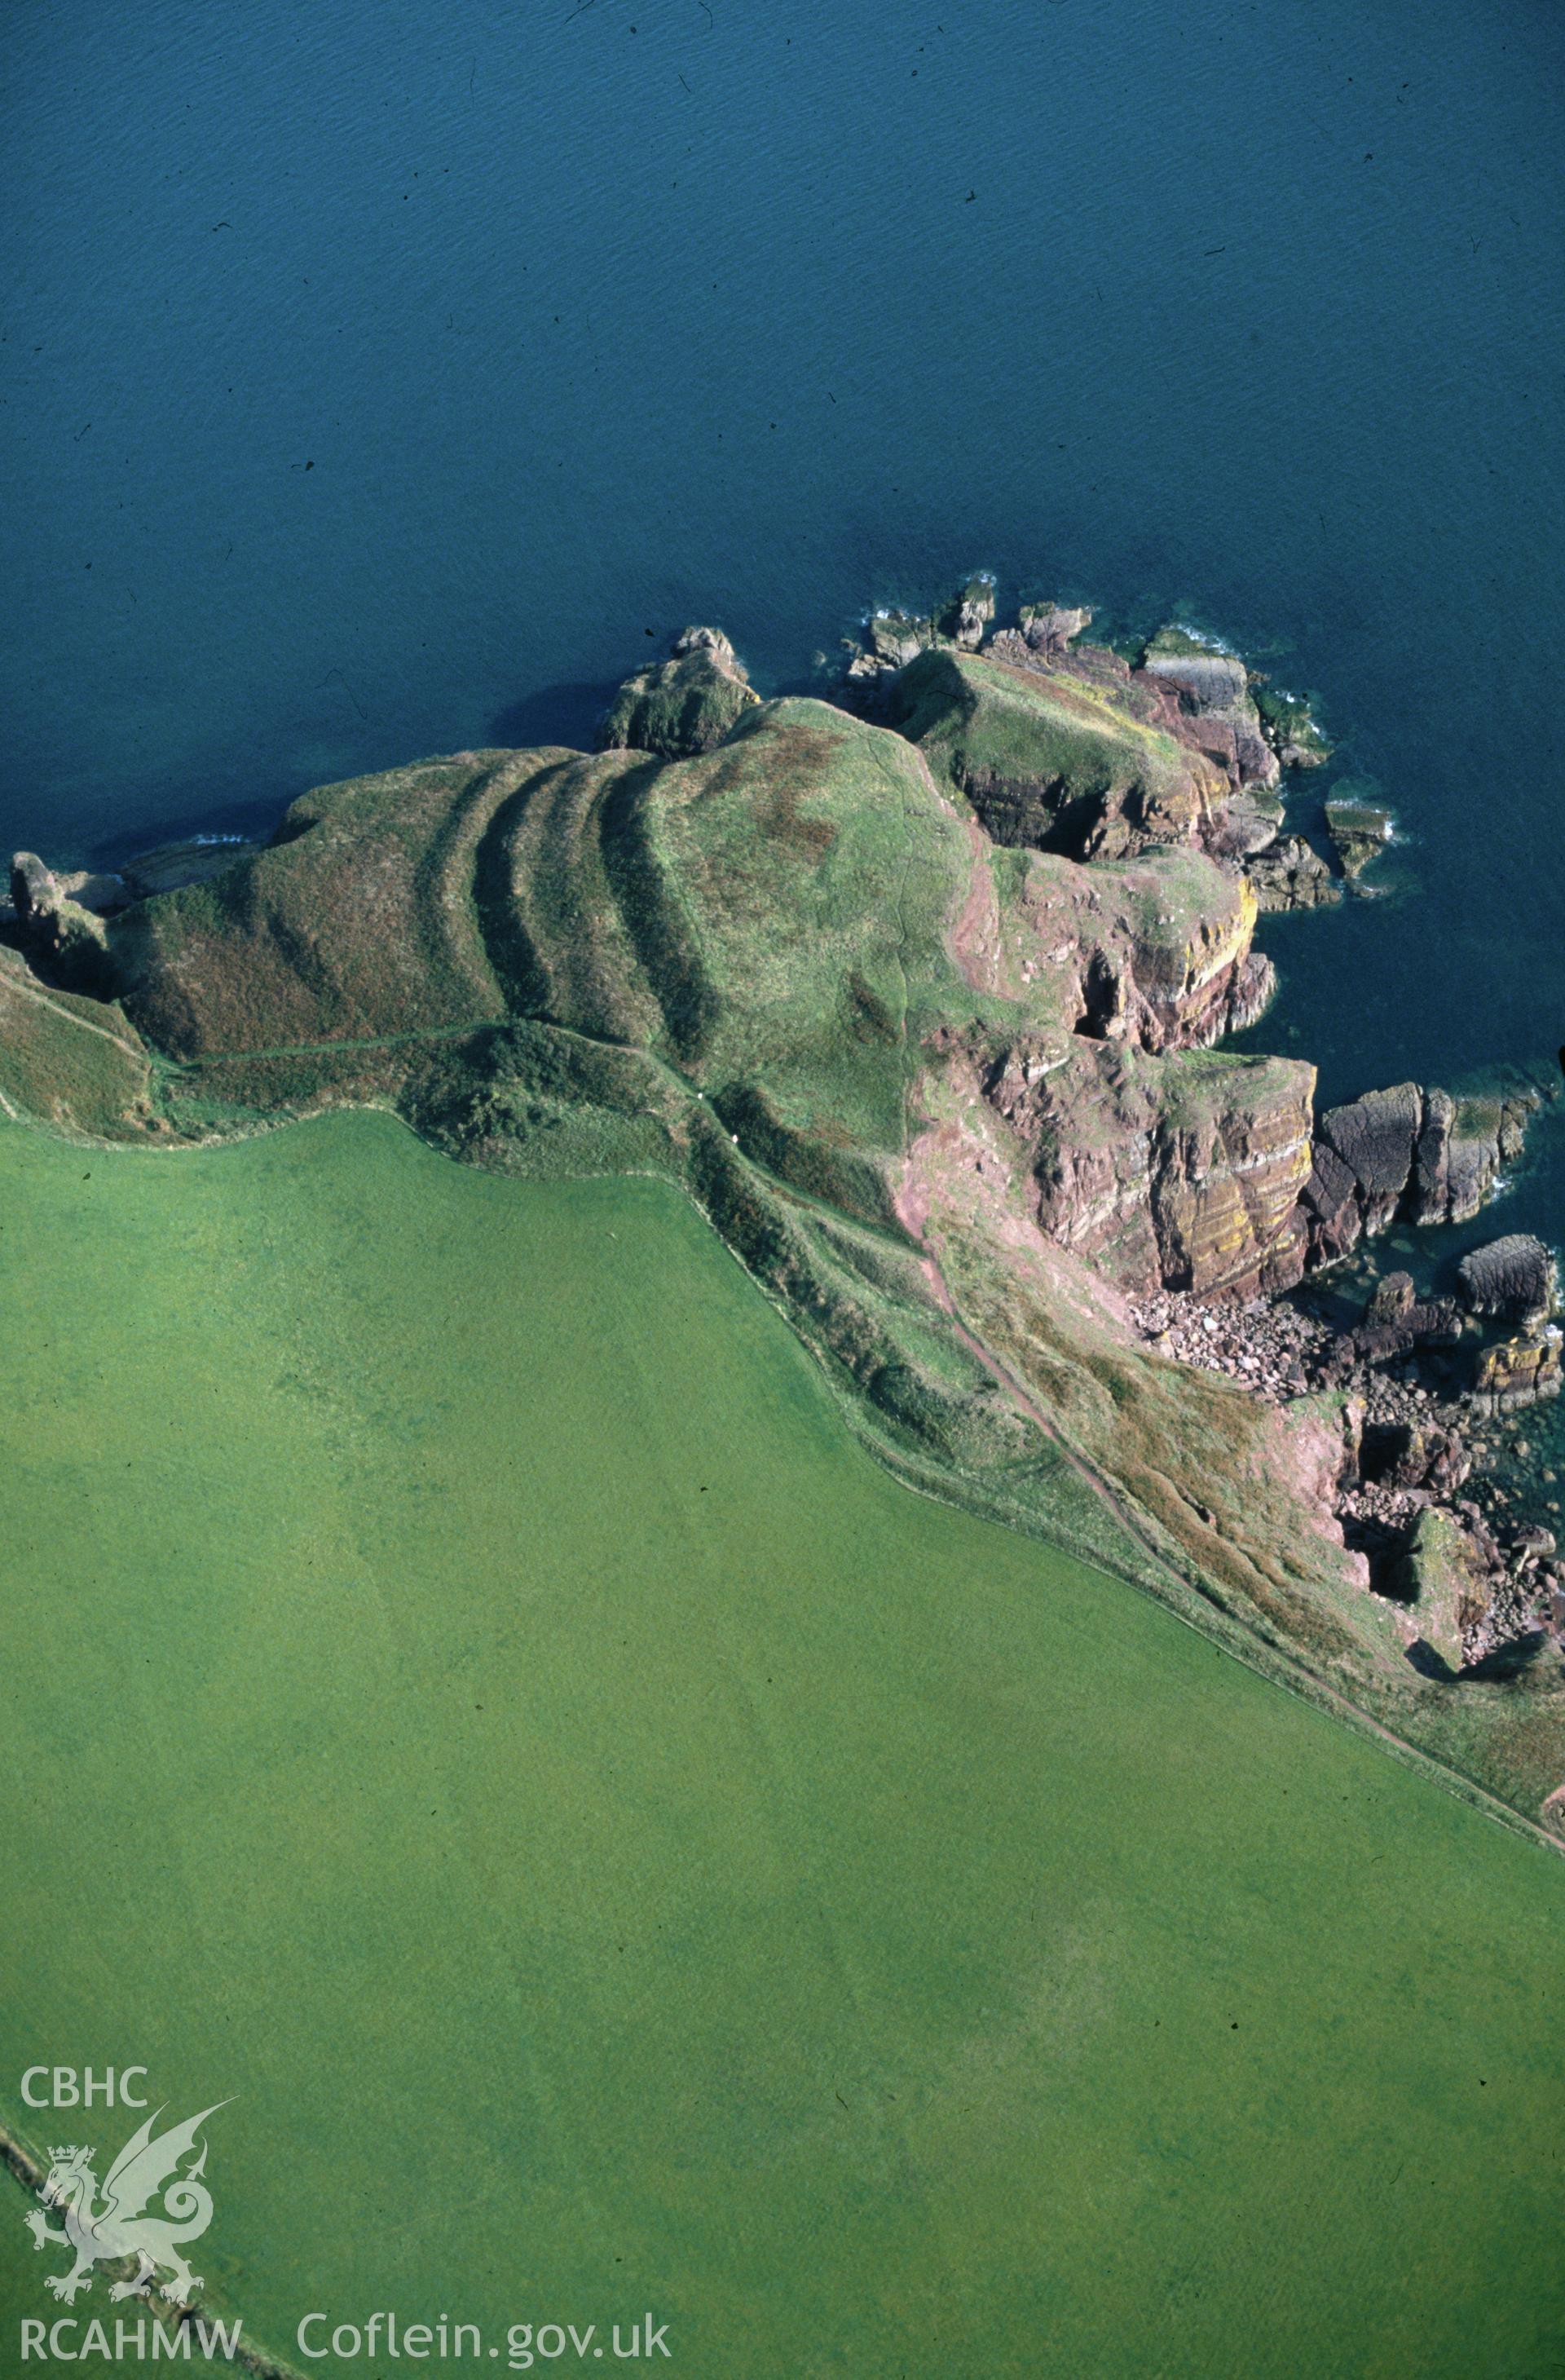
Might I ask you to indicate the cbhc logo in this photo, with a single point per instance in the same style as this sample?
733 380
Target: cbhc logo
64 2088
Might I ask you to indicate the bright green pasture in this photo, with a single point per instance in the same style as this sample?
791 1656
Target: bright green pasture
467 1695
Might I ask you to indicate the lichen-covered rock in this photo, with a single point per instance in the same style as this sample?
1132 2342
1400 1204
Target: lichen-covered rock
1518 1372
969 613
1049 628
683 706
1180 1174
1360 830
1291 874
1513 1276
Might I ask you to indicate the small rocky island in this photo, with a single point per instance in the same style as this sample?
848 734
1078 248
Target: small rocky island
917 988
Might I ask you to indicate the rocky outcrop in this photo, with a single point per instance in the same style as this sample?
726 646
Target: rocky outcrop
1445 1578
1212 692
1167 1170
969 613
34 891
1063 746
1382 1338
1049 628
1391 1300
1220 989
1518 1372
1060 755
1180 1173
1360 830
682 706
1414 1455
1289 874
1404 1446
1288 726
1419 1157
892 636
62 936
1333 1215
1170 965
893 639
1153 952
38 891
1514 1277
1248 826
1375 1138
1188 689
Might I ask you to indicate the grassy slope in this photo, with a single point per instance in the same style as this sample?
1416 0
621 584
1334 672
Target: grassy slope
818 871
68 1061
468 1697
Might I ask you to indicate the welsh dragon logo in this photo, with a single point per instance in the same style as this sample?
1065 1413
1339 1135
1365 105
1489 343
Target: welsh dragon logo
105 2229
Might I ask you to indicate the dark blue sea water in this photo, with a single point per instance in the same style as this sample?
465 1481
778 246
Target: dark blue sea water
377 376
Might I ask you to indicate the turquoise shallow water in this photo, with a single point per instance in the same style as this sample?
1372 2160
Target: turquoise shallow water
378 376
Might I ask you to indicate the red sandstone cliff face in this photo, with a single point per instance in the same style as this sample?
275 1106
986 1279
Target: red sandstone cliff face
1153 953
1183 1174
1166 1167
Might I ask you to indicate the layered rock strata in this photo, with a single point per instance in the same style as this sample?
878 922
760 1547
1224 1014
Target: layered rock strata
1513 1276
1518 1372
1172 1172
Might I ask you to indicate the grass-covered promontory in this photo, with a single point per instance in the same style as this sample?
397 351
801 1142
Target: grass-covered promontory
942 1099
1078 758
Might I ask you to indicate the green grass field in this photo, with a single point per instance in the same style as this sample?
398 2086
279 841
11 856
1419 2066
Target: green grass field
468 1697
